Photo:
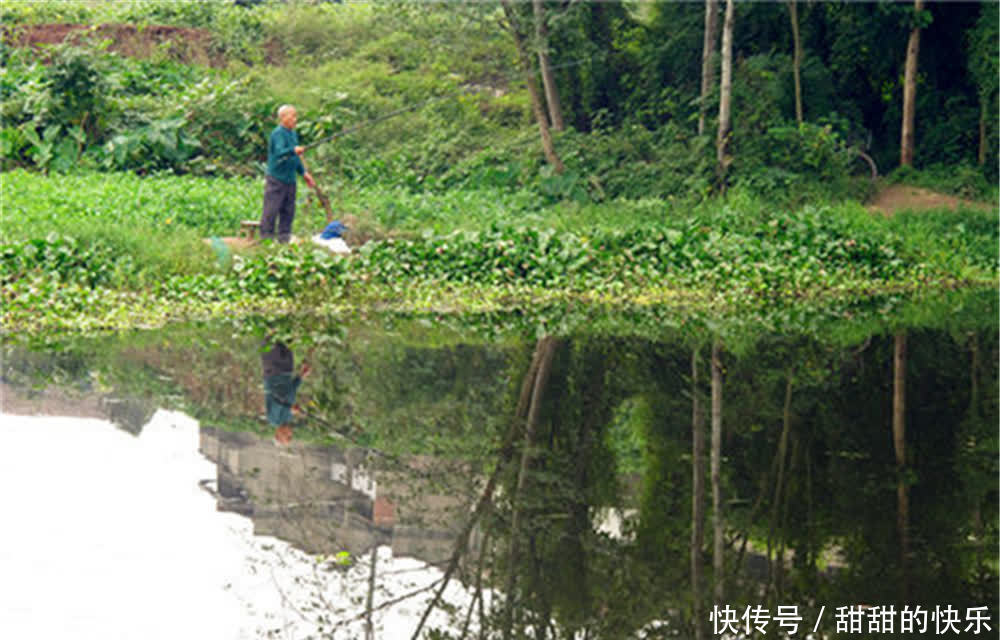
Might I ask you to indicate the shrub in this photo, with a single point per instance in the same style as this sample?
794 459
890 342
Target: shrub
62 259
962 180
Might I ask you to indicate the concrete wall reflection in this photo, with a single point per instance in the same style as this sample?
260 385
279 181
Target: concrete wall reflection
326 499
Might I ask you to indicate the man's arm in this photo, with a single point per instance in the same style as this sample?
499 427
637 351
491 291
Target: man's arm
296 383
302 168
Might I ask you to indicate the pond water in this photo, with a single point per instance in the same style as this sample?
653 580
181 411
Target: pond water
549 477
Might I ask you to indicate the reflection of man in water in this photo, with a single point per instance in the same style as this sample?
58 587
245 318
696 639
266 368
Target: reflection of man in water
281 385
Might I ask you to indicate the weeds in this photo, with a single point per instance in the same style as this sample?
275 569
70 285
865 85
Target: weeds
70 238
963 180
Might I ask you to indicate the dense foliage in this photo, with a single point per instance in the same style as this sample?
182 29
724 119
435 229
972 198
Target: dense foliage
614 432
628 78
125 170
452 191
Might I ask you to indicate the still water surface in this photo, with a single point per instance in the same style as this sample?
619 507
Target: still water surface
569 467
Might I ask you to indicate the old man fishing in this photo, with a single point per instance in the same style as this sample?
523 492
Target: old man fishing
284 161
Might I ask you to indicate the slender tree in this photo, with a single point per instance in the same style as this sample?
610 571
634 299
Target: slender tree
899 445
708 59
697 494
546 349
981 154
793 13
548 79
529 79
910 90
725 96
369 600
776 565
984 67
716 462
531 388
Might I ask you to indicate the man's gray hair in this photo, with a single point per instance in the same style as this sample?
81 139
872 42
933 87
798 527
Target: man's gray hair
283 109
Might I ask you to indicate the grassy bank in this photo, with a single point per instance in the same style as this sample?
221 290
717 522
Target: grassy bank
94 250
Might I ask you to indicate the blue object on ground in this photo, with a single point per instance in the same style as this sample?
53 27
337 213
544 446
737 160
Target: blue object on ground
333 230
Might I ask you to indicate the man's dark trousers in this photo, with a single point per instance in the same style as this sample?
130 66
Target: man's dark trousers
279 203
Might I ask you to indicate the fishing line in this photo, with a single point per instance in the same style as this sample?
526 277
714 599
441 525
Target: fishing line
448 96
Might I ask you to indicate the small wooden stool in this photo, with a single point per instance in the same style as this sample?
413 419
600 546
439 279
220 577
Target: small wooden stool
248 229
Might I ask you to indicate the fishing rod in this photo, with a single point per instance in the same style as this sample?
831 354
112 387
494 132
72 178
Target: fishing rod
387 116
325 200
447 96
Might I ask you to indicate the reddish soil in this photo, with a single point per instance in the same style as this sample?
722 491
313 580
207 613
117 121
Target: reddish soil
183 44
179 43
900 197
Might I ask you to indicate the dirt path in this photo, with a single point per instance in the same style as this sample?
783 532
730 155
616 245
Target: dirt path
900 197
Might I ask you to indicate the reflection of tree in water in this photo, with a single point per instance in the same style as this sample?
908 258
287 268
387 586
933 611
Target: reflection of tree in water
808 476
329 500
810 481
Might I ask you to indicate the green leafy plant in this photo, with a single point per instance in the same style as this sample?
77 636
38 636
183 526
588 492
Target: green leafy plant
163 144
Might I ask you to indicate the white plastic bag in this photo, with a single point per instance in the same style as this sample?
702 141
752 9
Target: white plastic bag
335 245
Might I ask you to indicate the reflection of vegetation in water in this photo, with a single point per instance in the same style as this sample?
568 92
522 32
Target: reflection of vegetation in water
809 475
442 399
809 468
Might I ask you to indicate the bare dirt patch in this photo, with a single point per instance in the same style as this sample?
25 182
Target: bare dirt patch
899 197
183 44
235 243
191 46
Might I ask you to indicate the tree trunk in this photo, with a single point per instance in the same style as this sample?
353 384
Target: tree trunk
369 626
812 574
797 59
871 163
546 348
697 494
974 418
522 414
708 59
725 97
717 563
974 376
783 520
548 80
776 566
899 444
910 93
982 132
536 101
477 597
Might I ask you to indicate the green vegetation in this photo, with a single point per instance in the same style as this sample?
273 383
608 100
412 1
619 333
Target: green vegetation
137 244
963 180
127 158
125 164
614 431
628 101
